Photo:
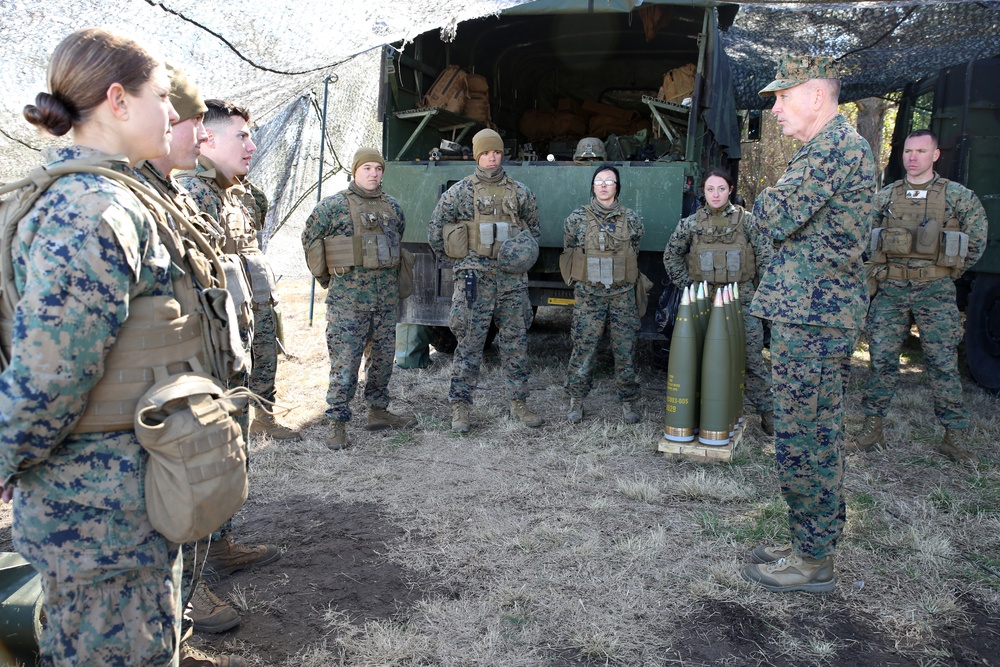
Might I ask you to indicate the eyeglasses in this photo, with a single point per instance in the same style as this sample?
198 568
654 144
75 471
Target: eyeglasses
606 182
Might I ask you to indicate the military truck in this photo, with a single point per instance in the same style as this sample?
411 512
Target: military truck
556 71
959 104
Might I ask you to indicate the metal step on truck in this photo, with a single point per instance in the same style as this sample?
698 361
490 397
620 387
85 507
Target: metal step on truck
961 105
546 75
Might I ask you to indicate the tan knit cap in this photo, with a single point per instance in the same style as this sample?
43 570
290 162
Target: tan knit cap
486 140
184 94
366 155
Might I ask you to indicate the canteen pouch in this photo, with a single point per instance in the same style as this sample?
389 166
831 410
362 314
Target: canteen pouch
262 282
456 240
566 258
196 476
404 277
642 287
238 287
316 260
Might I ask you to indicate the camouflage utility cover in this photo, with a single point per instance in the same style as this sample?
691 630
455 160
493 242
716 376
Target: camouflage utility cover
518 254
795 70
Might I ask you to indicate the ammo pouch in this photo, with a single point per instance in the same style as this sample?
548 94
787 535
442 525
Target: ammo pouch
369 251
484 238
609 271
226 353
954 249
262 283
238 287
196 476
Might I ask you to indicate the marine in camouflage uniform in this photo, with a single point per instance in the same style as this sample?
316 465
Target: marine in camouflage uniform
499 296
814 294
111 582
596 304
918 286
675 261
360 302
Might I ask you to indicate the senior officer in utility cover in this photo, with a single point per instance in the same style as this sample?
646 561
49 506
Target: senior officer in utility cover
487 224
723 229
814 293
601 241
927 231
352 246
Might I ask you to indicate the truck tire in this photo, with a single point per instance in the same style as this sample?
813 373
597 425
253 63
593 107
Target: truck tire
982 332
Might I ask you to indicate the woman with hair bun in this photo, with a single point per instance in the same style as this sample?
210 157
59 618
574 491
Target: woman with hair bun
82 258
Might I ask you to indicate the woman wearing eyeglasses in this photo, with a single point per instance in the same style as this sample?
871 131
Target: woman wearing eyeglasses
601 241
721 245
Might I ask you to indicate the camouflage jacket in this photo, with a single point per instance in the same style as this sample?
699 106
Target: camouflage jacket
820 213
172 190
961 203
223 203
84 251
575 236
457 204
359 288
676 253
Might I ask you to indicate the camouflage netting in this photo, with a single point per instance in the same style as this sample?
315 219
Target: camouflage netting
274 58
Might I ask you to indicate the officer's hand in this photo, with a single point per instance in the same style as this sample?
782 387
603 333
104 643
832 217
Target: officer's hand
8 493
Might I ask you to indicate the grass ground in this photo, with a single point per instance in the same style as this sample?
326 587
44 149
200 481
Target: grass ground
580 545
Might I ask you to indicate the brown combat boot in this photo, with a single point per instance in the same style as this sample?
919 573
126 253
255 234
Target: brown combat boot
575 413
380 418
226 556
336 439
264 424
192 657
871 436
519 408
461 421
209 613
629 413
767 422
950 448
762 554
794 573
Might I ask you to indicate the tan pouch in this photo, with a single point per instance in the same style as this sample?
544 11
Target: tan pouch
196 477
642 287
316 259
456 240
404 277
896 241
566 264
926 237
342 253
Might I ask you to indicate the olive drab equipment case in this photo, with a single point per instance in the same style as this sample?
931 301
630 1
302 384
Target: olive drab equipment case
449 92
184 335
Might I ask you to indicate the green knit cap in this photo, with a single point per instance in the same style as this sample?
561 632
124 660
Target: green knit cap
366 155
486 140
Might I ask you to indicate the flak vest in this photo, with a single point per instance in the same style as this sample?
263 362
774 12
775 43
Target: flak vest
608 259
495 219
162 335
916 227
720 250
374 244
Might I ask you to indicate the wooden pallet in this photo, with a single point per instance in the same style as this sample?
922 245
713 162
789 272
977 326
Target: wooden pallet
692 451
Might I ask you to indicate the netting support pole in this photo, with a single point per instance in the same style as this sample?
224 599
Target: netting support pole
319 185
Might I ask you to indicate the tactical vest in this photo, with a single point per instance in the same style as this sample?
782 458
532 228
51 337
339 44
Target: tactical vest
495 219
607 259
191 330
916 227
375 241
720 250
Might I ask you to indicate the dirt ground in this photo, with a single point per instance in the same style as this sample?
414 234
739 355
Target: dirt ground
580 545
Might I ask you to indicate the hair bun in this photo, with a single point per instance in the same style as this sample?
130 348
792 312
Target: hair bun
50 113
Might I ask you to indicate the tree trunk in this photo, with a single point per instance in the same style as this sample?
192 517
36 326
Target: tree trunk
871 122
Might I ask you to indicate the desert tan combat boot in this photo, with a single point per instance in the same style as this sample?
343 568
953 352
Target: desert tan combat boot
950 448
209 612
336 439
264 424
629 413
575 413
192 657
225 556
461 422
871 436
794 573
519 408
763 554
380 418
